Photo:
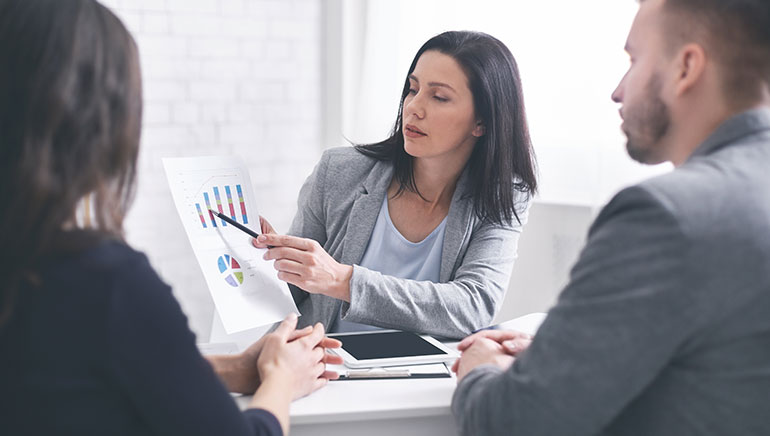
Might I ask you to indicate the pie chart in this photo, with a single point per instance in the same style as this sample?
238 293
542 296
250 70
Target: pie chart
230 270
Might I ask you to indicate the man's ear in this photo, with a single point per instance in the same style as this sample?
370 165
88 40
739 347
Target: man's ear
479 130
690 66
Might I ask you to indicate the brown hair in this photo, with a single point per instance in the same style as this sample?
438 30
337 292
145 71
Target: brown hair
738 34
70 116
502 164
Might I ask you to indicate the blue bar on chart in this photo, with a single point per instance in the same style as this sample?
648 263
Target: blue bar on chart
208 206
219 204
200 214
243 204
230 201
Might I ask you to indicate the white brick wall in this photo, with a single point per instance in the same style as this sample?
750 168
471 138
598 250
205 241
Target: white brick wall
222 77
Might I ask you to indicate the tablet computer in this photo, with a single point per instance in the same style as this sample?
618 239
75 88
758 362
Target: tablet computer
390 348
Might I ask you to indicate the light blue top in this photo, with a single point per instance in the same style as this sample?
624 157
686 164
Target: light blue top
389 253
338 206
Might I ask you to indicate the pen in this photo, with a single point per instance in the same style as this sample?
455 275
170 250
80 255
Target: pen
378 373
239 226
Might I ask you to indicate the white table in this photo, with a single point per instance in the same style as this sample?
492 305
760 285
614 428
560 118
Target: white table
384 407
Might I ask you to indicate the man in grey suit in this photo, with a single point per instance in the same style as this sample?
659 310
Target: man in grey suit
664 327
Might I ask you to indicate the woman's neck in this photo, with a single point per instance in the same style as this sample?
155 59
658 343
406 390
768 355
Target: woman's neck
436 179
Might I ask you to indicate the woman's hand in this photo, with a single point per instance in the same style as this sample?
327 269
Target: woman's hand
291 364
239 372
265 226
298 358
304 263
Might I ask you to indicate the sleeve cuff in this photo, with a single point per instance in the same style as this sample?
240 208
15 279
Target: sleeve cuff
349 309
478 374
263 422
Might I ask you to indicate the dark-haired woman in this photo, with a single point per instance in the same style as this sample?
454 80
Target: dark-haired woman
91 340
419 232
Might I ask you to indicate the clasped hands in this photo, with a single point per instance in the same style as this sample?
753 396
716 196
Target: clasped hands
495 347
297 357
304 263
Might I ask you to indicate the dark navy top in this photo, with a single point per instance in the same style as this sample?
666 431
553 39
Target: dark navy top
100 346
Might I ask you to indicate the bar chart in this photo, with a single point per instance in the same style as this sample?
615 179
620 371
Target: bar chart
220 207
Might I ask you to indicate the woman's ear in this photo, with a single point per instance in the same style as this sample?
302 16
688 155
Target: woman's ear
479 130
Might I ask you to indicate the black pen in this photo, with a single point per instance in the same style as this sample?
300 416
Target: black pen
238 225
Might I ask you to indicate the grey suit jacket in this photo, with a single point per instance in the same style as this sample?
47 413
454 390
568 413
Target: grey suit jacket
338 207
664 327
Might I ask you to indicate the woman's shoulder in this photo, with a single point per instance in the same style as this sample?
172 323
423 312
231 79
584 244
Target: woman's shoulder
107 258
347 157
95 250
346 163
131 267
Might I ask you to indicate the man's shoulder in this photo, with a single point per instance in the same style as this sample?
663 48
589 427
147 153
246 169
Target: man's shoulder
718 180
719 195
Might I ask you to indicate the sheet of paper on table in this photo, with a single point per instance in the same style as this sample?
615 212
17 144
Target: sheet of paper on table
245 288
431 370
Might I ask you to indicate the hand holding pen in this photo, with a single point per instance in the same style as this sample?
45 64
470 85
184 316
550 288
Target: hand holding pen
266 227
301 262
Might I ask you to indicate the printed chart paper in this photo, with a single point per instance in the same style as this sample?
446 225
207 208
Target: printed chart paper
246 290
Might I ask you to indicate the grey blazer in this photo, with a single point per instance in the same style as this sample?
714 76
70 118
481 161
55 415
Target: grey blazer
338 206
664 327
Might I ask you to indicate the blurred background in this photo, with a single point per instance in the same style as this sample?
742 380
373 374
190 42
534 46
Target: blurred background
276 82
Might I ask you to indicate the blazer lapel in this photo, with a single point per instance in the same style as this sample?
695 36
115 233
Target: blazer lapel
458 225
364 212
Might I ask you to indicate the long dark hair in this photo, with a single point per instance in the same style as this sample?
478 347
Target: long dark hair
70 115
502 163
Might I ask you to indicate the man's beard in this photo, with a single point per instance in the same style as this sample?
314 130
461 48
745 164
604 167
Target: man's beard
646 124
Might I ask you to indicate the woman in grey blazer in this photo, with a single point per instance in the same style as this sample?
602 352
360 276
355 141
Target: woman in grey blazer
419 232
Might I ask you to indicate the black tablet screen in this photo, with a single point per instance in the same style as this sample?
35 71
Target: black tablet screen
386 345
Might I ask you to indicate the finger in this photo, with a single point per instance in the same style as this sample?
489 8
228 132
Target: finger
286 327
319 383
255 242
456 366
289 253
467 342
286 241
495 335
289 266
504 335
330 343
487 346
516 346
292 279
265 226
482 343
318 354
314 338
332 359
299 333
330 375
